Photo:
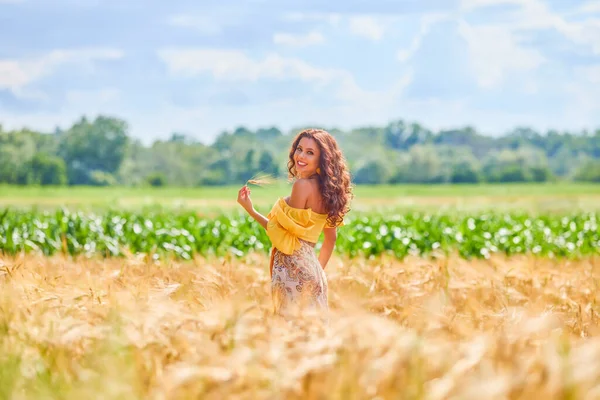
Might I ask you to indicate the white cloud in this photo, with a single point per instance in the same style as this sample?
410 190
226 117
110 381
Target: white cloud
329 18
288 39
201 23
16 74
535 15
585 32
427 22
78 103
95 97
351 94
468 5
583 93
495 48
591 74
235 65
495 52
590 7
367 26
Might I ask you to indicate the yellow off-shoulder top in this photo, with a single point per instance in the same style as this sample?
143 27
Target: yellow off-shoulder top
287 225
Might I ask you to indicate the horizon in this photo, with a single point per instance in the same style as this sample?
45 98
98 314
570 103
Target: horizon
294 131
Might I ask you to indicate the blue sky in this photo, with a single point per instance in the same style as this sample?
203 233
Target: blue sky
200 67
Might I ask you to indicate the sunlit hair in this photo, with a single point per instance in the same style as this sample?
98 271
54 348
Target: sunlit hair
334 176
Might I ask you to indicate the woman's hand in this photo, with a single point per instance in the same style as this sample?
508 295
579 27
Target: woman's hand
245 201
244 198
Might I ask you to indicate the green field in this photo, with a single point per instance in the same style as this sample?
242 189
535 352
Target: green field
186 234
526 196
509 292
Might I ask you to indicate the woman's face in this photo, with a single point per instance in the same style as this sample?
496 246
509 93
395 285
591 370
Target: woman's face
306 157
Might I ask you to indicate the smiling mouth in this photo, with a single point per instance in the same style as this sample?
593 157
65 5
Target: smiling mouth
301 164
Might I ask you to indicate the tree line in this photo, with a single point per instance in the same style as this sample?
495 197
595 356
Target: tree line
101 152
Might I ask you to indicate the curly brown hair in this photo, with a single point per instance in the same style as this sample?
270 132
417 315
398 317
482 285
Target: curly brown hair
334 177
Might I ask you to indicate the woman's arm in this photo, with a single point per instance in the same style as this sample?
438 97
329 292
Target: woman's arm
258 217
245 201
330 236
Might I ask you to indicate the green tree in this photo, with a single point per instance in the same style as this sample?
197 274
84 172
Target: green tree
17 148
589 172
398 135
249 167
97 146
45 169
373 172
423 164
540 174
465 172
525 164
101 178
218 173
99 152
156 179
268 134
9 164
395 133
266 164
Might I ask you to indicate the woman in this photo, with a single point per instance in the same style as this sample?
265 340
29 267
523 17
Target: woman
318 203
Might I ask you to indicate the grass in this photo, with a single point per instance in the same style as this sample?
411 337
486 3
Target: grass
518 328
509 196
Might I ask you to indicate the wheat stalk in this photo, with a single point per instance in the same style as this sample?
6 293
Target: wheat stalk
436 329
261 179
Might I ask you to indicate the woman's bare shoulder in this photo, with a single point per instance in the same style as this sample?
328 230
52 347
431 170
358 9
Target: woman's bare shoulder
305 194
301 192
303 184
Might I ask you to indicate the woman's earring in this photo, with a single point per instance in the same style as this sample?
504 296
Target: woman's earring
318 171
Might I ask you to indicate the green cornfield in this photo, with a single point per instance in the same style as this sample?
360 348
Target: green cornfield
184 234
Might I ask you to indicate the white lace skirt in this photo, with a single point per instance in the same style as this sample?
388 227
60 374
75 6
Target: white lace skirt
298 281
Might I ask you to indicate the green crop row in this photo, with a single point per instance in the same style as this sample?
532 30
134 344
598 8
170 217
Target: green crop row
184 234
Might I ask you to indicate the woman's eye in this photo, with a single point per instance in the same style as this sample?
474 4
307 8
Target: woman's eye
310 152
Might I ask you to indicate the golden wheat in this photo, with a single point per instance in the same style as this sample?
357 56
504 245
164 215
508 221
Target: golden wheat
262 179
518 327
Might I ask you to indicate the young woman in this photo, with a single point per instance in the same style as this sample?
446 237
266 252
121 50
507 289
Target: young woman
319 200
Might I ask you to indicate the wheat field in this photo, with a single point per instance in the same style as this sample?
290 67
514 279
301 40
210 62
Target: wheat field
504 328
